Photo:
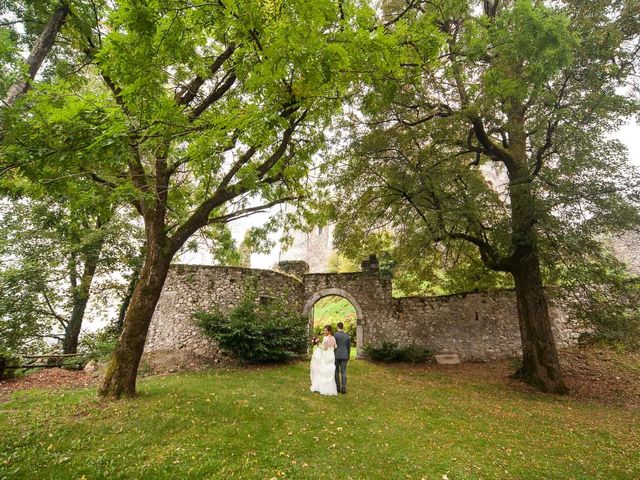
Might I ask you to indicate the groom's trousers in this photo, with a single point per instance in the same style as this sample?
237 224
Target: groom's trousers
341 375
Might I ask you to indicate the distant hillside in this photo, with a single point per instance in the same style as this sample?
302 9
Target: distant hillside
333 309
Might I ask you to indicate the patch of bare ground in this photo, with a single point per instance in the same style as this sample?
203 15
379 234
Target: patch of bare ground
48 379
602 375
591 374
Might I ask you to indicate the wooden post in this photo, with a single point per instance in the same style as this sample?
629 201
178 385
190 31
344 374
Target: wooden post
3 364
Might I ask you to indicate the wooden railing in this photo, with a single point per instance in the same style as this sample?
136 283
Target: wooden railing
55 360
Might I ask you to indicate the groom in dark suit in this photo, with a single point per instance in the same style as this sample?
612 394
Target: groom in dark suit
342 357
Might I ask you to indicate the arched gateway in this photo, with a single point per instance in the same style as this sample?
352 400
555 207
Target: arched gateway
328 292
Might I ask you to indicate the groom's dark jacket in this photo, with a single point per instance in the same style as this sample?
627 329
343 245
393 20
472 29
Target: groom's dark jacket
344 346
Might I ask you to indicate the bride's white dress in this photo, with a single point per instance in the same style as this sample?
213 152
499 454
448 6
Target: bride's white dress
323 368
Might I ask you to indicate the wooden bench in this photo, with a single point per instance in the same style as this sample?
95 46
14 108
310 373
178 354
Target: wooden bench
55 360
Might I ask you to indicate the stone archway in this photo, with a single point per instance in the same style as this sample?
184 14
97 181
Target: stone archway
338 292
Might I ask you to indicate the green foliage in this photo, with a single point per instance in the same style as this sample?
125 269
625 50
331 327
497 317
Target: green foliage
531 44
8 60
289 66
333 308
51 248
600 295
529 95
20 330
338 263
610 313
99 345
10 359
257 333
390 352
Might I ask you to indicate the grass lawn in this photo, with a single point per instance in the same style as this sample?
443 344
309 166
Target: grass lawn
396 422
333 309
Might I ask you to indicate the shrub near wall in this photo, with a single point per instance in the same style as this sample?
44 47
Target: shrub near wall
389 352
257 333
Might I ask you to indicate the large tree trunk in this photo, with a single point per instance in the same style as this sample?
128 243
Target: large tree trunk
540 363
38 53
80 300
122 370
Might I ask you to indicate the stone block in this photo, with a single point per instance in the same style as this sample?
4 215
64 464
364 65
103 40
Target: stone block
447 359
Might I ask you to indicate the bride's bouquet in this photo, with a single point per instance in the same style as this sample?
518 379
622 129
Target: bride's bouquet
315 341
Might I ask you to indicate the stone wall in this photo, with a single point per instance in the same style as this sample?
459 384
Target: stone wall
295 268
476 326
174 340
626 247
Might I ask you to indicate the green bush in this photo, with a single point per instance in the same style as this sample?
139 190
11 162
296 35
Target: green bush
257 333
389 352
349 328
8 358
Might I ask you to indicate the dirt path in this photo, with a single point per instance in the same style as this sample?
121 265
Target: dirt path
51 378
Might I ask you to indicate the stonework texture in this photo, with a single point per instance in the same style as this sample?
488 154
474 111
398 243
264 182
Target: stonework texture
475 326
174 341
313 247
295 268
626 247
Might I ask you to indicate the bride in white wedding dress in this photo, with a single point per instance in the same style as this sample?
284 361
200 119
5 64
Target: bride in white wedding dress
323 366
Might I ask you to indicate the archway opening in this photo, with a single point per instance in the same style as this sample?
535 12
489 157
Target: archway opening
329 308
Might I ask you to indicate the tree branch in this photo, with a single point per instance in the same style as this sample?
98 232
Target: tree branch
245 212
227 191
52 312
411 4
488 254
213 97
550 130
492 149
185 95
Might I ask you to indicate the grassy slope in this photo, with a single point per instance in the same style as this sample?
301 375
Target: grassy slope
396 422
332 310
